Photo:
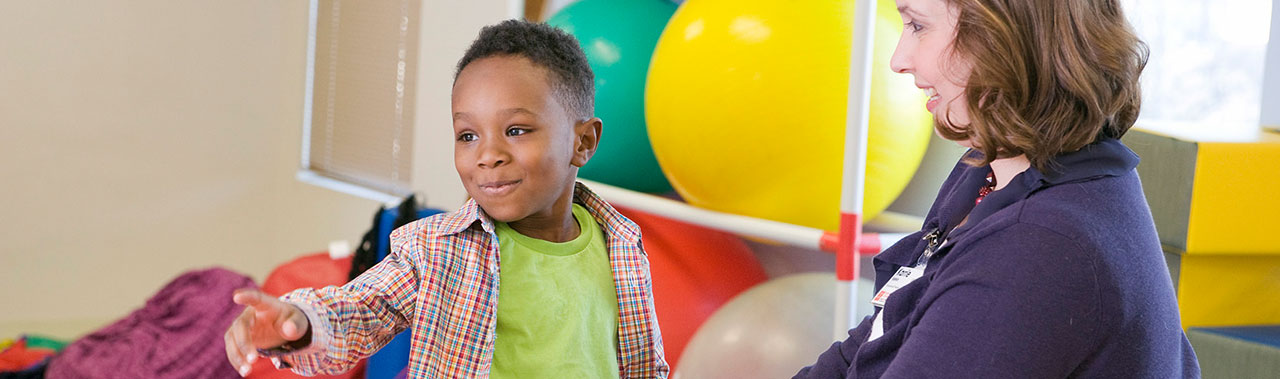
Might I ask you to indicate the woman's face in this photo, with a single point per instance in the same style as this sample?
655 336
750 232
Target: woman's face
924 51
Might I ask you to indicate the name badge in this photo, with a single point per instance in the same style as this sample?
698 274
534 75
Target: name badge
904 276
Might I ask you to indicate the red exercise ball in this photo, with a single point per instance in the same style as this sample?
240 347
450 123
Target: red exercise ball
695 270
314 270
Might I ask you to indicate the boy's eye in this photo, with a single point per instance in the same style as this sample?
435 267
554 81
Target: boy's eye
467 137
516 130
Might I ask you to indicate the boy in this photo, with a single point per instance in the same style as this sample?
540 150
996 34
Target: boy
534 277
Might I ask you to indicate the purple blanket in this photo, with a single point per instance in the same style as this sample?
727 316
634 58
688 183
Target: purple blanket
178 334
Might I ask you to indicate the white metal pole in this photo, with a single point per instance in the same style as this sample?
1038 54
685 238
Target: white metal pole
789 234
855 158
1270 117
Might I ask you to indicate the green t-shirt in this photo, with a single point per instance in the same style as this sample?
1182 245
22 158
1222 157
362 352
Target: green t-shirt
557 309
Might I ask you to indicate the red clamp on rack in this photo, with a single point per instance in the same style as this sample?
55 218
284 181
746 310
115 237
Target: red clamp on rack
846 257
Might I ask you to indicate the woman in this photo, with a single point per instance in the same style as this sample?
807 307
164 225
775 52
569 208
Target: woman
1039 257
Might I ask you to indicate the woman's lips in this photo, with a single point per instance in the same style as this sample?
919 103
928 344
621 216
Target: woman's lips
933 98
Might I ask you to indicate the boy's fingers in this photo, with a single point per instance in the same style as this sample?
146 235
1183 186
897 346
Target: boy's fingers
247 350
289 330
292 323
240 351
247 297
240 333
265 307
233 351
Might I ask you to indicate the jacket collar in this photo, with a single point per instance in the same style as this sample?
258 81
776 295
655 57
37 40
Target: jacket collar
1104 158
955 199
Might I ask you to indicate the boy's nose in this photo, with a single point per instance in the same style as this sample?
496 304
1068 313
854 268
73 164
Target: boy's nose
493 154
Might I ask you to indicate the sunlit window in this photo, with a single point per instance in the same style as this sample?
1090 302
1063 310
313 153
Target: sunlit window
1206 62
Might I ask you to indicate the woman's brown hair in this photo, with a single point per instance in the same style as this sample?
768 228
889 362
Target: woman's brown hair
1047 76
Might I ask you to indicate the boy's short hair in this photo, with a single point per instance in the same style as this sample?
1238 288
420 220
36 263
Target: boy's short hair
1048 77
547 46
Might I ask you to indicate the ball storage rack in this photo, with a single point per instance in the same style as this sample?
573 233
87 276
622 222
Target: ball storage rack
850 241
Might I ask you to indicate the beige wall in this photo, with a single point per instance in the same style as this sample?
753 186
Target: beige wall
141 139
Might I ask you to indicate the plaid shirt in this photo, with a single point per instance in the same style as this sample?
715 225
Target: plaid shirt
441 279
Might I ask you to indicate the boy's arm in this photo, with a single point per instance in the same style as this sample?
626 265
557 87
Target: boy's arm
353 321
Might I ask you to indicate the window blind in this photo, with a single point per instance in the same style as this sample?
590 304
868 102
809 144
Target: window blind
358 122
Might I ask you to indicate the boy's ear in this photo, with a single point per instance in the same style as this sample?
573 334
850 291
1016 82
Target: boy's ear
586 140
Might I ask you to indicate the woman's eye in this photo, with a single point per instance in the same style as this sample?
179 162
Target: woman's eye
914 26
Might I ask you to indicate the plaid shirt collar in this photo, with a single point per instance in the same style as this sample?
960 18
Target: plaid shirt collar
615 225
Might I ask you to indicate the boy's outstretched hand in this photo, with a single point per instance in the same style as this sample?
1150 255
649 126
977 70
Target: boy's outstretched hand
265 323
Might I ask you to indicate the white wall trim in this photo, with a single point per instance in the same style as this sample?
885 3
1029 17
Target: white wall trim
315 178
309 93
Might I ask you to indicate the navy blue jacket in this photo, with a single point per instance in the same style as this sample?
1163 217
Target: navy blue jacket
1059 274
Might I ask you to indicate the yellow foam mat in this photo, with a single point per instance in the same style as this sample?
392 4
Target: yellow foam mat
1235 206
1229 290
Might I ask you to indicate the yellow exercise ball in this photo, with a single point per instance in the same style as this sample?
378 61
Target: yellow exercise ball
746 104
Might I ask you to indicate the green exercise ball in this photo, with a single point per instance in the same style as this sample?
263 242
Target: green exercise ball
618 37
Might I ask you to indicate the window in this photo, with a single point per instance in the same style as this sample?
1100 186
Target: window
358 117
1206 62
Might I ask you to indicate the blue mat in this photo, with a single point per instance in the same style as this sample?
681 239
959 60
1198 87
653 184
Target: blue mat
1262 334
393 358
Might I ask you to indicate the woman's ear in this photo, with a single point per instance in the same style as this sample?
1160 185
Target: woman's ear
586 140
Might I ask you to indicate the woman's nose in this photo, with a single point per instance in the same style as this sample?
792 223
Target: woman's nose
900 62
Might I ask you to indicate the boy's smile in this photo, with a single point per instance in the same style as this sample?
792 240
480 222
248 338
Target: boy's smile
517 149
501 187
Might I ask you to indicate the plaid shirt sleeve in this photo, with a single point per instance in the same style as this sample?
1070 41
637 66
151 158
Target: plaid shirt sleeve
353 321
640 353
640 350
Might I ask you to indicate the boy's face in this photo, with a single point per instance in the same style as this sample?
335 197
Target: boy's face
517 149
